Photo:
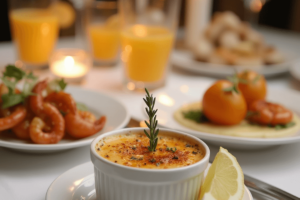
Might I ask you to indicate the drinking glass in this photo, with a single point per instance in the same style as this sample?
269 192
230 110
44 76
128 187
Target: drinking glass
34 28
148 30
102 29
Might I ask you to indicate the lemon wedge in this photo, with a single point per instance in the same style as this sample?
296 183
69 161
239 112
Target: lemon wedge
64 12
224 180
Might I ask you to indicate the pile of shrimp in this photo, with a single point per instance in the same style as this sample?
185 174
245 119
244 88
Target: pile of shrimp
47 119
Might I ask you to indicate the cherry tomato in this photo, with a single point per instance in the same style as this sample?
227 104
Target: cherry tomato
266 113
222 105
252 86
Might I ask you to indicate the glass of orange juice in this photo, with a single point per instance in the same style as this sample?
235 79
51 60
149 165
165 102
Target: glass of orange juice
34 28
102 29
148 29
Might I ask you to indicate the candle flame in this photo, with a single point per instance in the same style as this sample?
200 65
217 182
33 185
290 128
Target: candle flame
256 5
69 63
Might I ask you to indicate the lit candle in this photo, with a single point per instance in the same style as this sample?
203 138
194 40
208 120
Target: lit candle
67 68
70 64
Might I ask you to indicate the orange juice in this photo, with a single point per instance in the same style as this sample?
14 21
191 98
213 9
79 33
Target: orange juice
104 41
145 52
35 32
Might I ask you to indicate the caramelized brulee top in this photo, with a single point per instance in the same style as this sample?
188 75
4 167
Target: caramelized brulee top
132 150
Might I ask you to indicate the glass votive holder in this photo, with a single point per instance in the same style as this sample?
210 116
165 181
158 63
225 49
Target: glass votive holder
70 64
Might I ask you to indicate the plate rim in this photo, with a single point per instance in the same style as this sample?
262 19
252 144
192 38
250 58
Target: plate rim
89 164
63 146
206 68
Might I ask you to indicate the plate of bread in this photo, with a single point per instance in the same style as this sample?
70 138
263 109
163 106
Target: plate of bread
228 45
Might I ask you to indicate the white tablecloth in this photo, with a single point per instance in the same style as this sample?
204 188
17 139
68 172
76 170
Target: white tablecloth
27 176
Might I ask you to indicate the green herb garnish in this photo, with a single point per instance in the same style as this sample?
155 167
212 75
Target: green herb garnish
57 85
235 80
81 106
14 72
11 76
195 115
62 84
134 158
173 149
283 126
153 132
251 114
232 89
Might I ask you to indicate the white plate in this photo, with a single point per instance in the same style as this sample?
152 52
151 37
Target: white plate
184 60
171 98
98 103
78 183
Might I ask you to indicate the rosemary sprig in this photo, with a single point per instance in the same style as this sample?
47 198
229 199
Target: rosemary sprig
153 132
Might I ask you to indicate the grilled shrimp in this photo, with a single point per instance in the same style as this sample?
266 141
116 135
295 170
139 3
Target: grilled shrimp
78 127
62 101
266 113
36 128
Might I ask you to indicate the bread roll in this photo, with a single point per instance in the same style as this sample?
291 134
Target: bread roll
229 39
203 49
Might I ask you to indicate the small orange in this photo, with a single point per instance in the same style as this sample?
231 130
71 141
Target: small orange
223 104
253 86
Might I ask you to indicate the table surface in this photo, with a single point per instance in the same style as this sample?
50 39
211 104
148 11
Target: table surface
28 176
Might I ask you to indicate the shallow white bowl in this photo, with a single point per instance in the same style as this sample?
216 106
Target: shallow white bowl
98 103
118 182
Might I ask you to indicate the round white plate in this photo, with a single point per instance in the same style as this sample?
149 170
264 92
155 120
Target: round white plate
183 59
78 183
98 103
168 100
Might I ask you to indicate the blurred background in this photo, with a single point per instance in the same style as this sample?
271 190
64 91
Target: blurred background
273 13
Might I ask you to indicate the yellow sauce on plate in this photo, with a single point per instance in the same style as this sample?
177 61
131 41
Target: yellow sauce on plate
132 150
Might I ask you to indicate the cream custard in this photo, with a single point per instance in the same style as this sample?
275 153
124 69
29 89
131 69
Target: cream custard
131 149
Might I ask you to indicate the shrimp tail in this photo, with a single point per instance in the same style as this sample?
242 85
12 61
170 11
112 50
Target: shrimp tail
77 127
14 118
99 124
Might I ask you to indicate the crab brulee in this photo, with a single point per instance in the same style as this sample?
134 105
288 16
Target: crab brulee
131 149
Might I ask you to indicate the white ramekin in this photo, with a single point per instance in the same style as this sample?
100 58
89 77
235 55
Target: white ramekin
117 182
